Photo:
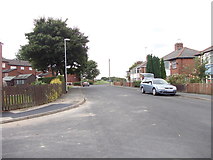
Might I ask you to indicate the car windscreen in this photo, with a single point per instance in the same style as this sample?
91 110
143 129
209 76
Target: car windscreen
159 81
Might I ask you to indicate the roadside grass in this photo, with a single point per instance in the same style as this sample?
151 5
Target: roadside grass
101 82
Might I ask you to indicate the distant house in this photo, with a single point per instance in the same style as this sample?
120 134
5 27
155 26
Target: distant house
207 54
14 67
180 61
135 72
20 79
71 78
24 79
9 80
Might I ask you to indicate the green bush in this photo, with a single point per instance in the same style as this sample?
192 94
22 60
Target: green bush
136 83
37 82
91 82
177 79
56 81
183 79
61 77
46 79
195 80
76 83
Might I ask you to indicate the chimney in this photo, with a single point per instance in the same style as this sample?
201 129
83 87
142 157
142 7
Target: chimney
178 46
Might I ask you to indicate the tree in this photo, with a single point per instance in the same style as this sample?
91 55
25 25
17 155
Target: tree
45 48
153 65
162 69
200 69
91 70
149 64
156 67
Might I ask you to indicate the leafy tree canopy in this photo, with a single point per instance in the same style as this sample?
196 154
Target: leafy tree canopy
45 48
91 70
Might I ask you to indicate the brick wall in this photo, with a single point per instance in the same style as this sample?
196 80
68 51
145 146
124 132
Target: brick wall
72 78
183 66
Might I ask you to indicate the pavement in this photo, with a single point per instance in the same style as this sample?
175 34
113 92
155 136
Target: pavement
72 99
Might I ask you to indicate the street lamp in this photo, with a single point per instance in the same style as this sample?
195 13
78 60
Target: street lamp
65 62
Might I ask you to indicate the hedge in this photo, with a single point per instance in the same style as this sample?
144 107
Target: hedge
136 83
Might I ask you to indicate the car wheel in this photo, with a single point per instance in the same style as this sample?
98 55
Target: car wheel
154 92
142 90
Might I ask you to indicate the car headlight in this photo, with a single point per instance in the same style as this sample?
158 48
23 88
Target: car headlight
175 88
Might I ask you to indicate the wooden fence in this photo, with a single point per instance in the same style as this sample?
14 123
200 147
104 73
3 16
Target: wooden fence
21 96
199 88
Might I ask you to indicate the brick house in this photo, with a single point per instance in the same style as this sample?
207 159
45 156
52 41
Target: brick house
16 67
180 61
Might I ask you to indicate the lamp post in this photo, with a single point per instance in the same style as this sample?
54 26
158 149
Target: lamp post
65 62
1 80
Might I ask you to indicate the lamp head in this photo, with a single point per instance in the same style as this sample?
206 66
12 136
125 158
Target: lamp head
66 39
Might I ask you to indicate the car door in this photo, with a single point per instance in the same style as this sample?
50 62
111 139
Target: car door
149 87
145 86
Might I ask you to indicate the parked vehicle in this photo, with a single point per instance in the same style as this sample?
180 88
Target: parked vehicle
157 86
147 75
85 84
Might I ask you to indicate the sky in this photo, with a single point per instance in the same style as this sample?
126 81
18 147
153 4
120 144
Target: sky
124 31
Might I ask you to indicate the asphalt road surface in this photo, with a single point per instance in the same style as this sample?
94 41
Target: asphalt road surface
115 122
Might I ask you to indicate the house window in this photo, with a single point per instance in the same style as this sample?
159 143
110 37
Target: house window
20 81
30 68
211 59
3 65
174 64
13 67
138 70
166 64
22 68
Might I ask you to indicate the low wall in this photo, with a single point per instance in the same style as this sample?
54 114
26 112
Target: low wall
126 84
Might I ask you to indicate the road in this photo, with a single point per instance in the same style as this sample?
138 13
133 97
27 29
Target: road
116 122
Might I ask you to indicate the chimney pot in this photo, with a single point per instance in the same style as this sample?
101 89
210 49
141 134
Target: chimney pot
178 46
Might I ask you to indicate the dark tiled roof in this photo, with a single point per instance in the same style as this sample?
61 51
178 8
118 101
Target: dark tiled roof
23 76
16 62
182 53
204 51
43 74
8 70
9 78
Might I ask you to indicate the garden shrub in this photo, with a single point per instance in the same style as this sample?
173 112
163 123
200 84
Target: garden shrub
46 79
56 81
136 83
76 83
91 82
37 82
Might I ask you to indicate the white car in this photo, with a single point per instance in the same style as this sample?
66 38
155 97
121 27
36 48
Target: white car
157 86
85 84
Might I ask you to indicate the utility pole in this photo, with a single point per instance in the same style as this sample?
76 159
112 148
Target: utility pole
109 72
